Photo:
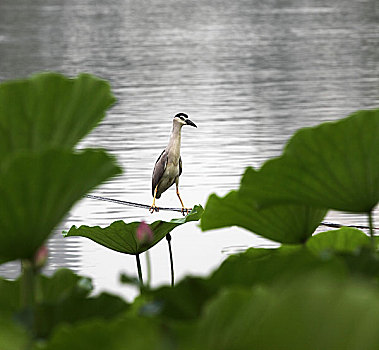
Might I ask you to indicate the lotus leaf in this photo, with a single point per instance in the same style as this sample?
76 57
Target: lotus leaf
334 165
49 110
345 239
283 223
37 190
315 312
121 237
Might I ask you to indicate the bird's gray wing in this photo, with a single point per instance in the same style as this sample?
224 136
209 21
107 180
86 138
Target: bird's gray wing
159 168
180 165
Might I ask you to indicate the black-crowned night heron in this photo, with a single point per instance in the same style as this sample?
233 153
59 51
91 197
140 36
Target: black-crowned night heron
168 167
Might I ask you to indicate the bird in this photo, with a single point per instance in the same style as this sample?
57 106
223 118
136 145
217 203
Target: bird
168 166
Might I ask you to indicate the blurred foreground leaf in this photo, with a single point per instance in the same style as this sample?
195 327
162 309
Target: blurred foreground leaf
134 333
334 165
9 297
284 223
312 313
345 239
63 298
12 336
37 190
61 285
121 237
49 110
74 308
251 268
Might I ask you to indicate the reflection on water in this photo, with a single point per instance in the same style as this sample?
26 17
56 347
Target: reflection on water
248 73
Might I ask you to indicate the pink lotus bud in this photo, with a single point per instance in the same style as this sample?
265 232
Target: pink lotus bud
144 233
40 258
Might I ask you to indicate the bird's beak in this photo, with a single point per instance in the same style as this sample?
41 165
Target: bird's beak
189 122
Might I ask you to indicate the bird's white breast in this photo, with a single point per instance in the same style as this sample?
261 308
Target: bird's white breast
170 174
174 150
172 169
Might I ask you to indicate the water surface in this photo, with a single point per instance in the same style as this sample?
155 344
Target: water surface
248 73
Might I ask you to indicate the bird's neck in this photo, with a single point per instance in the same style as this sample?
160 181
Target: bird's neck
174 142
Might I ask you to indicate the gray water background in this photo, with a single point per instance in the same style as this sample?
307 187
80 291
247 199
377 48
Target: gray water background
248 73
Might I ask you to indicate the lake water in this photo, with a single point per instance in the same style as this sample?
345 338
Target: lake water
248 73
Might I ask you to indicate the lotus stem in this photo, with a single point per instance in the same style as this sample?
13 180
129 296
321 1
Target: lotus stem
139 273
28 297
148 268
371 227
168 238
27 284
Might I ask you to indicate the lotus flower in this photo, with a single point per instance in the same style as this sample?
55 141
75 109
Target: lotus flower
144 233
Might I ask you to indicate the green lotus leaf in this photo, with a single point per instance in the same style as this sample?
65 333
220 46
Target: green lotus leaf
334 165
63 284
120 333
254 267
38 189
63 298
10 297
345 239
315 313
12 335
284 223
121 236
49 110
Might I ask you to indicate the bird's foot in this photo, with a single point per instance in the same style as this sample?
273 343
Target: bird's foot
153 208
185 211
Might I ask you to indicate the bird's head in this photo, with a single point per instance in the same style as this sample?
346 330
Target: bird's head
183 119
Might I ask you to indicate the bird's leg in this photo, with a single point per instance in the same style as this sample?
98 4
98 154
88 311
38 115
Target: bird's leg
184 209
153 206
